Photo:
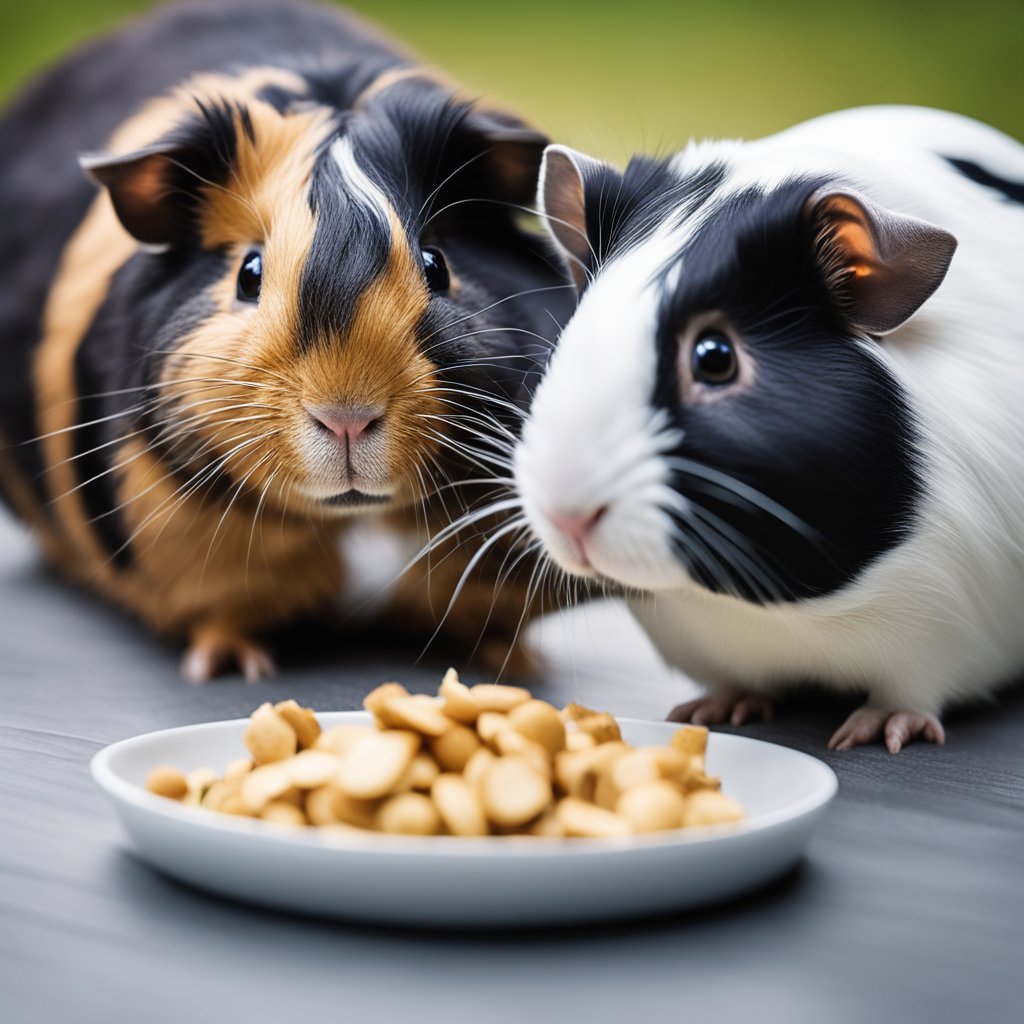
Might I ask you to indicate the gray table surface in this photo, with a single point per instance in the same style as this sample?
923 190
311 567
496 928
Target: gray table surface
909 905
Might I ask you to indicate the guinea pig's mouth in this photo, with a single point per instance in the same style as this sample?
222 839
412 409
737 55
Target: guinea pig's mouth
355 499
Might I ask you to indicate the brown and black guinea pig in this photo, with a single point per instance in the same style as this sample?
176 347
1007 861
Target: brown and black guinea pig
302 292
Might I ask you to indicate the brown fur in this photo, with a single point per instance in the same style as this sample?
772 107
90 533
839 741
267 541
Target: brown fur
222 570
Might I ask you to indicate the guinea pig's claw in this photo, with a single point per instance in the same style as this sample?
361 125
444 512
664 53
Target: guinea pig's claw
897 728
211 655
732 706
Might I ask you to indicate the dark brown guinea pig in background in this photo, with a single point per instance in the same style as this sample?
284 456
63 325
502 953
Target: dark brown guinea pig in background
301 293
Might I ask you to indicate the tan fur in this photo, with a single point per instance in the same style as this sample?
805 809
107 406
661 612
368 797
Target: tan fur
851 249
224 568
244 570
380 362
95 252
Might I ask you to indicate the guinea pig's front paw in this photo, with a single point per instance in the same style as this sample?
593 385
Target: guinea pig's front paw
898 728
737 707
215 649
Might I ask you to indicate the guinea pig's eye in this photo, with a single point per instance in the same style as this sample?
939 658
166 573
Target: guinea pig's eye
435 270
714 359
250 277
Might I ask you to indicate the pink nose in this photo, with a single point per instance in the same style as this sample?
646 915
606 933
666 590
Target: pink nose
577 526
347 422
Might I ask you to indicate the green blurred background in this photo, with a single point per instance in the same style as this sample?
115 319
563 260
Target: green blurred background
615 78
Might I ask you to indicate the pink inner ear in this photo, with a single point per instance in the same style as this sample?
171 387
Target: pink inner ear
565 209
147 184
848 235
879 265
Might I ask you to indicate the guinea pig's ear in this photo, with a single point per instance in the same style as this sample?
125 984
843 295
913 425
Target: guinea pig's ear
156 190
142 189
880 266
562 200
513 152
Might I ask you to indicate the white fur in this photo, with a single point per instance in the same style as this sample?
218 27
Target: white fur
359 185
940 617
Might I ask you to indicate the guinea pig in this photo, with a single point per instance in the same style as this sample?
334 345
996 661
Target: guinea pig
787 417
301 293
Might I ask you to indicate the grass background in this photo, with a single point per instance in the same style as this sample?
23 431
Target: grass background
613 78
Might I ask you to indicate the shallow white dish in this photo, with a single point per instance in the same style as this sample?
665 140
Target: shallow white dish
468 882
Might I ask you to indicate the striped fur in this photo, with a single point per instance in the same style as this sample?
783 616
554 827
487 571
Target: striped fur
159 432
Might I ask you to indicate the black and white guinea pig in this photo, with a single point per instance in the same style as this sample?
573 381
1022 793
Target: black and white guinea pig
787 416
300 293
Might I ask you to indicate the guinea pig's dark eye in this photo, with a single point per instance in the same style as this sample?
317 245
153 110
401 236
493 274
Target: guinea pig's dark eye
714 359
250 277
435 270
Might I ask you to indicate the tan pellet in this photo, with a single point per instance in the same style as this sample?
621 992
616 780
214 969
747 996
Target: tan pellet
457 803
265 783
269 737
691 741
420 774
220 793
576 772
573 712
580 818
199 782
707 807
419 713
601 726
339 739
356 813
320 806
548 826
492 697
513 791
652 807
376 699
411 814
283 813
302 720
511 741
312 768
234 804
539 721
374 765
576 740
634 768
164 780
473 773
459 703
489 724
239 767
455 747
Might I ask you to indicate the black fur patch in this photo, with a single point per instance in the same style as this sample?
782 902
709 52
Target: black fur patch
350 248
1012 190
623 210
824 431
116 366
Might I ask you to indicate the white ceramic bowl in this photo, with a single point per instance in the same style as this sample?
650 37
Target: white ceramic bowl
452 881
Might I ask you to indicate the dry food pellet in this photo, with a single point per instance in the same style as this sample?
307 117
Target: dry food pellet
269 737
165 780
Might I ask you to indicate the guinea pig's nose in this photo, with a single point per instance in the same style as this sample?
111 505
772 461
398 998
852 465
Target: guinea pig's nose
577 526
347 422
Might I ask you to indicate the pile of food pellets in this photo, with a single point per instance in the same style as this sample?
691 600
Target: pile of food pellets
483 760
